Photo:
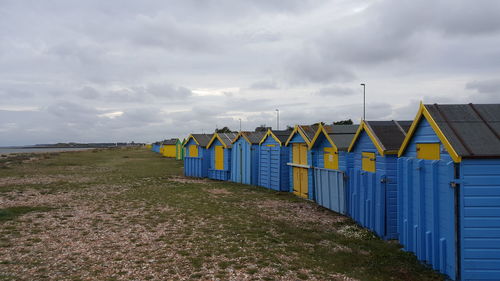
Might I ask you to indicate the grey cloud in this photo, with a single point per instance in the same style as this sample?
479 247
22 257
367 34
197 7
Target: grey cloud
312 67
486 91
72 112
168 91
485 86
334 91
264 85
88 93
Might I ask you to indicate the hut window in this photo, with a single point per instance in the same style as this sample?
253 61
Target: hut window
193 150
219 157
428 151
330 158
368 161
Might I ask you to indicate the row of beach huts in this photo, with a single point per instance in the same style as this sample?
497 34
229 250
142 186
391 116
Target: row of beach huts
432 183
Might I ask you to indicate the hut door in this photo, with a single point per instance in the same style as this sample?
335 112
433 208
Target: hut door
265 166
300 174
219 157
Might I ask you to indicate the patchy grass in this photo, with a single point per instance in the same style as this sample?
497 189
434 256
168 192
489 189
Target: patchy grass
125 214
13 212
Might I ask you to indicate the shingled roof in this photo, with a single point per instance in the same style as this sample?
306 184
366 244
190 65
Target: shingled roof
252 137
225 138
202 139
306 131
341 135
387 136
473 130
390 134
170 141
282 135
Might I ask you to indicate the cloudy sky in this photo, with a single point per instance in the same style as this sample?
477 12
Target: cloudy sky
116 70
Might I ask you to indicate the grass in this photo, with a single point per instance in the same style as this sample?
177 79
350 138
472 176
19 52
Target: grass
14 212
126 214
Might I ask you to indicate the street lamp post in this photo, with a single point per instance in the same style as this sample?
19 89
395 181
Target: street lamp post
277 119
364 100
240 124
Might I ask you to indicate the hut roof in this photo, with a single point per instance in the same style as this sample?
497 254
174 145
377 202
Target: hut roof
279 135
341 135
387 136
170 141
201 139
225 138
306 131
251 137
466 130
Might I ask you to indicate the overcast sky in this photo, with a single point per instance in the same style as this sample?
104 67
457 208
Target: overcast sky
115 70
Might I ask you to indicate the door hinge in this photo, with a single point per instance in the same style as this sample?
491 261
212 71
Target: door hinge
384 180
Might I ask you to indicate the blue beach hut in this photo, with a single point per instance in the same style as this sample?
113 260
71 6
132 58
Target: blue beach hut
156 147
449 189
301 182
245 157
197 159
329 161
372 180
273 159
219 149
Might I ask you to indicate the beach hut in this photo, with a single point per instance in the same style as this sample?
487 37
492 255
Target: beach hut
301 183
372 180
171 147
273 159
149 146
245 157
156 147
329 161
449 189
197 158
219 149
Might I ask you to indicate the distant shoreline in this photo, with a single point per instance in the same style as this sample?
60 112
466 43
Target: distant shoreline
15 150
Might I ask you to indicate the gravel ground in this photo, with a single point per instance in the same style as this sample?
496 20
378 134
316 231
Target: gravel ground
129 215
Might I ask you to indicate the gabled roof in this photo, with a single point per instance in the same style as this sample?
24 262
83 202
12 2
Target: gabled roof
387 136
306 131
466 130
278 135
250 137
339 136
171 141
201 139
226 139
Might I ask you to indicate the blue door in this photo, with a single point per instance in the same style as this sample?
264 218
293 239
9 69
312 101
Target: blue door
426 219
367 203
330 189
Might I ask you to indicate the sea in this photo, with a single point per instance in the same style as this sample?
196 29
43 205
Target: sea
10 150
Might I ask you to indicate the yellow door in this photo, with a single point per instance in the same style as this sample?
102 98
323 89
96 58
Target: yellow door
368 161
193 150
296 180
300 175
219 157
330 158
304 187
428 151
